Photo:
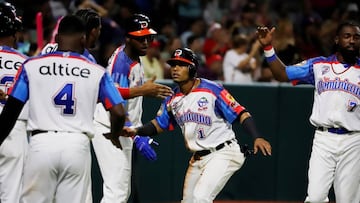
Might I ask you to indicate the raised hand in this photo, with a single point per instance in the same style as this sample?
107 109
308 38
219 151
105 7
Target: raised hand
265 35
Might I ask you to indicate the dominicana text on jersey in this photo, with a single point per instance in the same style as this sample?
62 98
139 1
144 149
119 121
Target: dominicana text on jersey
201 113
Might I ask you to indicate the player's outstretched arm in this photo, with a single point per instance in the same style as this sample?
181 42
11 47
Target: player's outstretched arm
151 89
117 119
143 143
260 143
8 116
265 37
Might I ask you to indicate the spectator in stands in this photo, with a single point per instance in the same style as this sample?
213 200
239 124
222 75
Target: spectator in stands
217 41
153 64
239 65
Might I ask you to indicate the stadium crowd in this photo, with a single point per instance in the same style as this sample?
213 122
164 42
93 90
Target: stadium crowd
218 31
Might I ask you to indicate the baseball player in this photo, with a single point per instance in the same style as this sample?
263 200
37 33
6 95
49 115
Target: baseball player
127 72
63 89
335 159
205 111
13 150
92 22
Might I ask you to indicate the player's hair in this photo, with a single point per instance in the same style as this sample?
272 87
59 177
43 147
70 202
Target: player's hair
71 24
345 24
90 17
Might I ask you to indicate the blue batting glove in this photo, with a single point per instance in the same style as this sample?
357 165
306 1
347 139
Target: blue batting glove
143 144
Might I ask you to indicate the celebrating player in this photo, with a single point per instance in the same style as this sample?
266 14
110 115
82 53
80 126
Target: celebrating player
62 88
204 110
128 74
335 152
13 150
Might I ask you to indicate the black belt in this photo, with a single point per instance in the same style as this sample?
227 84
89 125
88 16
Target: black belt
334 130
199 154
34 132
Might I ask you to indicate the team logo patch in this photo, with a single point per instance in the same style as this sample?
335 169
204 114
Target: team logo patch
143 24
325 69
202 103
230 99
178 53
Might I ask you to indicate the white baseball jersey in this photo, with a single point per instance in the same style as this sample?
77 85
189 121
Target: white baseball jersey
337 91
52 47
230 68
205 115
13 151
10 61
76 82
126 73
335 156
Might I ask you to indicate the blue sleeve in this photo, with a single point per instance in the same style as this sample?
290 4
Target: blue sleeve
226 106
108 94
164 117
20 89
302 73
120 71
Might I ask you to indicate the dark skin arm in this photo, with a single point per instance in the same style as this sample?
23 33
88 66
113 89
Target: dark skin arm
8 116
265 37
151 89
259 143
3 96
117 119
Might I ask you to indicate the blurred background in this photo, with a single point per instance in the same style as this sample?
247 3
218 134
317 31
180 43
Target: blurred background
305 28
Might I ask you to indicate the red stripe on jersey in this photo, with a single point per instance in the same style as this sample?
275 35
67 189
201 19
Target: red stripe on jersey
125 92
230 101
171 127
108 104
115 58
131 67
294 82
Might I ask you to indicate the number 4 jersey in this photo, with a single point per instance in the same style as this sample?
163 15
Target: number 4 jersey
63 89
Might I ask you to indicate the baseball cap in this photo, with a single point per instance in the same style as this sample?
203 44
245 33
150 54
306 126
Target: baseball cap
138 25
182 56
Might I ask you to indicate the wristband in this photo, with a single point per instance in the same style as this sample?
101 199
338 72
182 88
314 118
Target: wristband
249 126
147 129
125 92
269 53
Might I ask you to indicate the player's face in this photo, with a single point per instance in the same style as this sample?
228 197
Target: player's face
141 44
179 72
348 41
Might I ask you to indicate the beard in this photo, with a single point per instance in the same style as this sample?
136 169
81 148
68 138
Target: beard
349 56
